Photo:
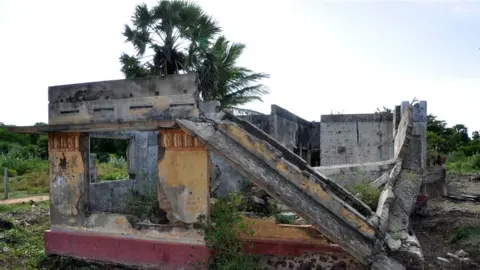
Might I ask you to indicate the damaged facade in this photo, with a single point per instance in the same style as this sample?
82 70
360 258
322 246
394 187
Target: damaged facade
183 150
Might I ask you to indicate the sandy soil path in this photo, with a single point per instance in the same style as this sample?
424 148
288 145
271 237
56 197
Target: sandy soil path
25 199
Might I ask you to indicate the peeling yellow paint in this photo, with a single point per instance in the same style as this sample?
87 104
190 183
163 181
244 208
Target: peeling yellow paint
184 175
66 172
241 136
314 188
362 225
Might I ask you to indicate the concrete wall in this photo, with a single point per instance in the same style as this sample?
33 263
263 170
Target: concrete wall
294 132
142 164
355 138
223 178
349 174
262 121
152 98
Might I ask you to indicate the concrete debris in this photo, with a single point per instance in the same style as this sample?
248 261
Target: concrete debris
461 253
301 221
257 200
443 260
457 257
393 244
464 197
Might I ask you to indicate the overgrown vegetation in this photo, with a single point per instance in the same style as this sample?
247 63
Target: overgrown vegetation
366 193
469 236
222 236
114 169
25 157
21 246
453 144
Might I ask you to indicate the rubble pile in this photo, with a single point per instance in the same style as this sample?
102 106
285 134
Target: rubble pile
259 204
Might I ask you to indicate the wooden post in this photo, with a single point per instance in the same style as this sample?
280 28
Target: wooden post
5 183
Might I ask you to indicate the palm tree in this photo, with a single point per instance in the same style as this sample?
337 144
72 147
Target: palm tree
220 78
180 37
163 31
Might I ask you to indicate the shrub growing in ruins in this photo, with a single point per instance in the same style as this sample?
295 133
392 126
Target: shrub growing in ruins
365 192
222 236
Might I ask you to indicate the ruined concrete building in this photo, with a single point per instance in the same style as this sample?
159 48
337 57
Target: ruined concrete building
182 150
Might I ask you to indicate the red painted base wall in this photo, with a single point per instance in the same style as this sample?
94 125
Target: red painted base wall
167 255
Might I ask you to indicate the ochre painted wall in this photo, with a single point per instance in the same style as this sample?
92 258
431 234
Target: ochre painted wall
68 184
183 172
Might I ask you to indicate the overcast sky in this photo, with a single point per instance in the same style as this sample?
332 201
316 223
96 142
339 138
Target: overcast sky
323 57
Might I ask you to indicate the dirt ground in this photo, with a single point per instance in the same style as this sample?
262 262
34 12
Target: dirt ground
436 225
25 199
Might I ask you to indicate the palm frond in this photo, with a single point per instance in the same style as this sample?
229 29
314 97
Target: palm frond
142 17
139 38
131 67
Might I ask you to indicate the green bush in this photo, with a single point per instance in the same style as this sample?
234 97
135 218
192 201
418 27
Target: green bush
462 164
366 193
117 162
469 235
221 236
284 219
113 176
11 172
114 169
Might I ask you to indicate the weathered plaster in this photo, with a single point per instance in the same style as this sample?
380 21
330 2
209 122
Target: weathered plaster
155 98
355 138
183 172
348 174
68 157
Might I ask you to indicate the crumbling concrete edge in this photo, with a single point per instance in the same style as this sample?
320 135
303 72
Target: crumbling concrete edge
282 183
399 242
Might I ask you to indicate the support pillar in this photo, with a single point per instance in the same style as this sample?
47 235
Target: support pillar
183 173
69 166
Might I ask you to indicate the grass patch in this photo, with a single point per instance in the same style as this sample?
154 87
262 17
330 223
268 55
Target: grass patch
112 171
366 193
15 208
36 180
469 235
31 183
22 246
459 163
284 219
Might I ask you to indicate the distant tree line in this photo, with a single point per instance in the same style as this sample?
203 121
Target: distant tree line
454 143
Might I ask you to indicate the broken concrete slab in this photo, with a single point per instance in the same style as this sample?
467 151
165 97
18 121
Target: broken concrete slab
273 172
410 150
